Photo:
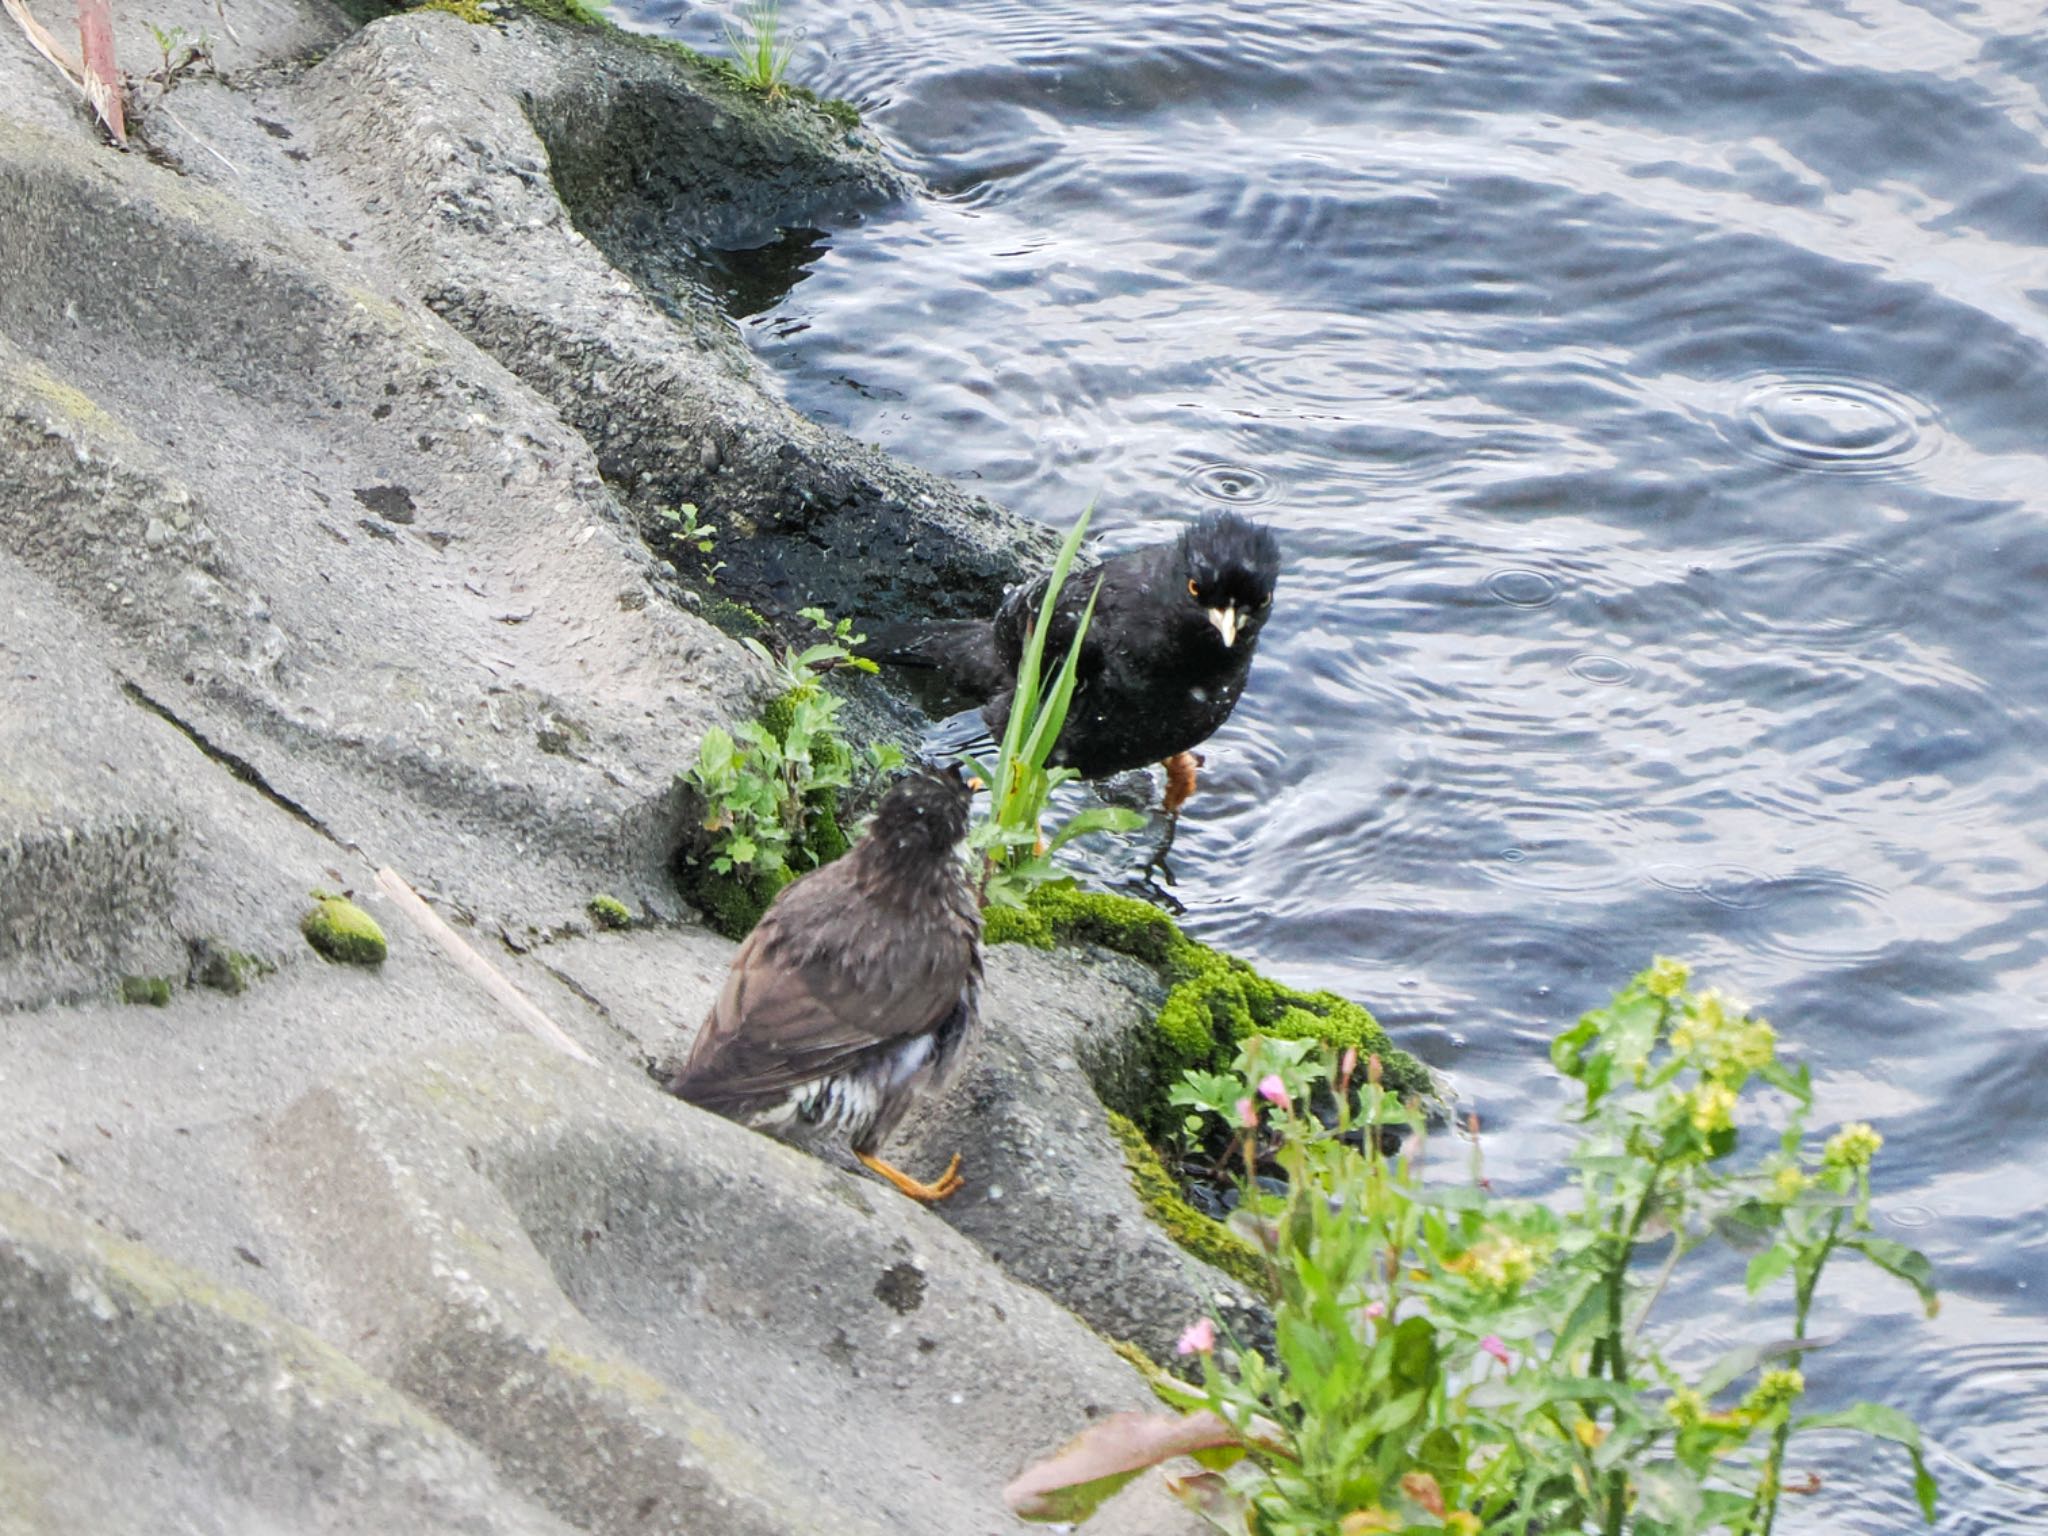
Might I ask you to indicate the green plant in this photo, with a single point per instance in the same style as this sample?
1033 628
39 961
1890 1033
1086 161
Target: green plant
770 787
681 525
178 56
759 54
1009 841
1445 1360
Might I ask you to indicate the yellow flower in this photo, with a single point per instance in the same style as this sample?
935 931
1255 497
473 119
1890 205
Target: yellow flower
1748 1048
1853 1146
1500 1264
1713 1108
1369 1522
1462 1522
1589 1434
1686 1407
1666 977
1787 1184
1774 1390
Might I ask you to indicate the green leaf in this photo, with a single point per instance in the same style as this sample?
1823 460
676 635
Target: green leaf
1767 1266
1884 1423
1097 818
1415 1352
1909 1264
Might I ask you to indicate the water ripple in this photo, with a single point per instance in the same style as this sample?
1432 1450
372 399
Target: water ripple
1234 484
1605 671
1814 420
1817 916
1817 594
1523 588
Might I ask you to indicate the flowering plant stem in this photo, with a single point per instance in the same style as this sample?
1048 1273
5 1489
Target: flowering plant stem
1447 1360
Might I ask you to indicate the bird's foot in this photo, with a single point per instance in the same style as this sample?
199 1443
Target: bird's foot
1157 873
1181 774
947 1183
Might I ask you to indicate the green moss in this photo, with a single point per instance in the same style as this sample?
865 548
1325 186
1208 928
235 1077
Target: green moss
469 10
223 969
729 617
1214 1000
574 13
607 912
154 991
1207 1239
733 903
343 931
844 113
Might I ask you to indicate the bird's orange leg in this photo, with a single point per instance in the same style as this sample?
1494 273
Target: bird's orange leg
947 1183
1180 779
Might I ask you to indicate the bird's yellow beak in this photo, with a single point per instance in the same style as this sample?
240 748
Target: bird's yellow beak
1225 620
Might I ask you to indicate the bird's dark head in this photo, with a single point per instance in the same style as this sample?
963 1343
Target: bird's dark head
1232 567
924 814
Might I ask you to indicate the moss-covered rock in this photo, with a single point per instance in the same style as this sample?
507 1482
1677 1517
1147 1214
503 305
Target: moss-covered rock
1214 1000
149 991
469 10
608 912
730 617
1203 1236
343 931
221 968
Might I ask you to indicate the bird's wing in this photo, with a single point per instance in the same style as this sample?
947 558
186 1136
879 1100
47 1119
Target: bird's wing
800 1003
963 650
1019 612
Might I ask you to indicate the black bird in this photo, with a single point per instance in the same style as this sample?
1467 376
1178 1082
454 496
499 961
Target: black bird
857 989
1165 657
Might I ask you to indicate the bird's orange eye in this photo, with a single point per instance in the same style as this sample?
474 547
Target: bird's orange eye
1192 590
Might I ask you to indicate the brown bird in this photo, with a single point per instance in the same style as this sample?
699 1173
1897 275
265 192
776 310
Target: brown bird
857 989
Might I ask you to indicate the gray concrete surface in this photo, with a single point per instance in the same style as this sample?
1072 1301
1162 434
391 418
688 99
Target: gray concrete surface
334 422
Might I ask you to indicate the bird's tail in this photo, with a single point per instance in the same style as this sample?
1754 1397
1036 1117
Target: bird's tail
962 650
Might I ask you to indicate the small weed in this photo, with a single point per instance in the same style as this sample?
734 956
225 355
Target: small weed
759 54
770 788
682 526
1015 854
180 56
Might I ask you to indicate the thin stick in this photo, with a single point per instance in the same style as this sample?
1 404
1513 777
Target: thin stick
488 976
195 138
102 78
40 39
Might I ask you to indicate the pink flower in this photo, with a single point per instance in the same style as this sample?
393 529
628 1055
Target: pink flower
1274 1092
1346 1065
1247 1116
1376 1309
1198 1338
1493 1346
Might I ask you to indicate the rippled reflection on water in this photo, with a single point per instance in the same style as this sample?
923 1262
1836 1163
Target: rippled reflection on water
1651 398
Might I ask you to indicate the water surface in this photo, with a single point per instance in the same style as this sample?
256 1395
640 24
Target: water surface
1651 401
